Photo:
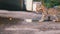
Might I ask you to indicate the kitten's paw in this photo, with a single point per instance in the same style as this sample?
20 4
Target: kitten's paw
41 20
55 21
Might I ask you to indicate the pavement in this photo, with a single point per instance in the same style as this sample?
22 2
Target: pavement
19 14
18 26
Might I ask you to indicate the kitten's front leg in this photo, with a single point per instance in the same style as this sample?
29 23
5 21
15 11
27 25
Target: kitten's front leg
42 18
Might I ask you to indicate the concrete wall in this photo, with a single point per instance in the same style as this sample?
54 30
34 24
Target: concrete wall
29 5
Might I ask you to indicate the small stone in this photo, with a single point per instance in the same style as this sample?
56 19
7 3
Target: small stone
28 20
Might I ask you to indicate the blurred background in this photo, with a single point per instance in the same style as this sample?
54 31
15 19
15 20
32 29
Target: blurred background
21 5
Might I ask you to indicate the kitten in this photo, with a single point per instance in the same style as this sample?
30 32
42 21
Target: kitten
43 9
54 12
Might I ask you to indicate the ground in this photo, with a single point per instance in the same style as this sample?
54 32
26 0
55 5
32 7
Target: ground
18 26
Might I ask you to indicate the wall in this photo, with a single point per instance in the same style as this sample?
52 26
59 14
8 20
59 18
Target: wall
29 5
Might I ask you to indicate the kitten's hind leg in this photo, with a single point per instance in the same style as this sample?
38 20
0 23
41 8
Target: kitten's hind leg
56 18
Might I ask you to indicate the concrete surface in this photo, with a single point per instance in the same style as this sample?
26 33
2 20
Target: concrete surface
18 26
